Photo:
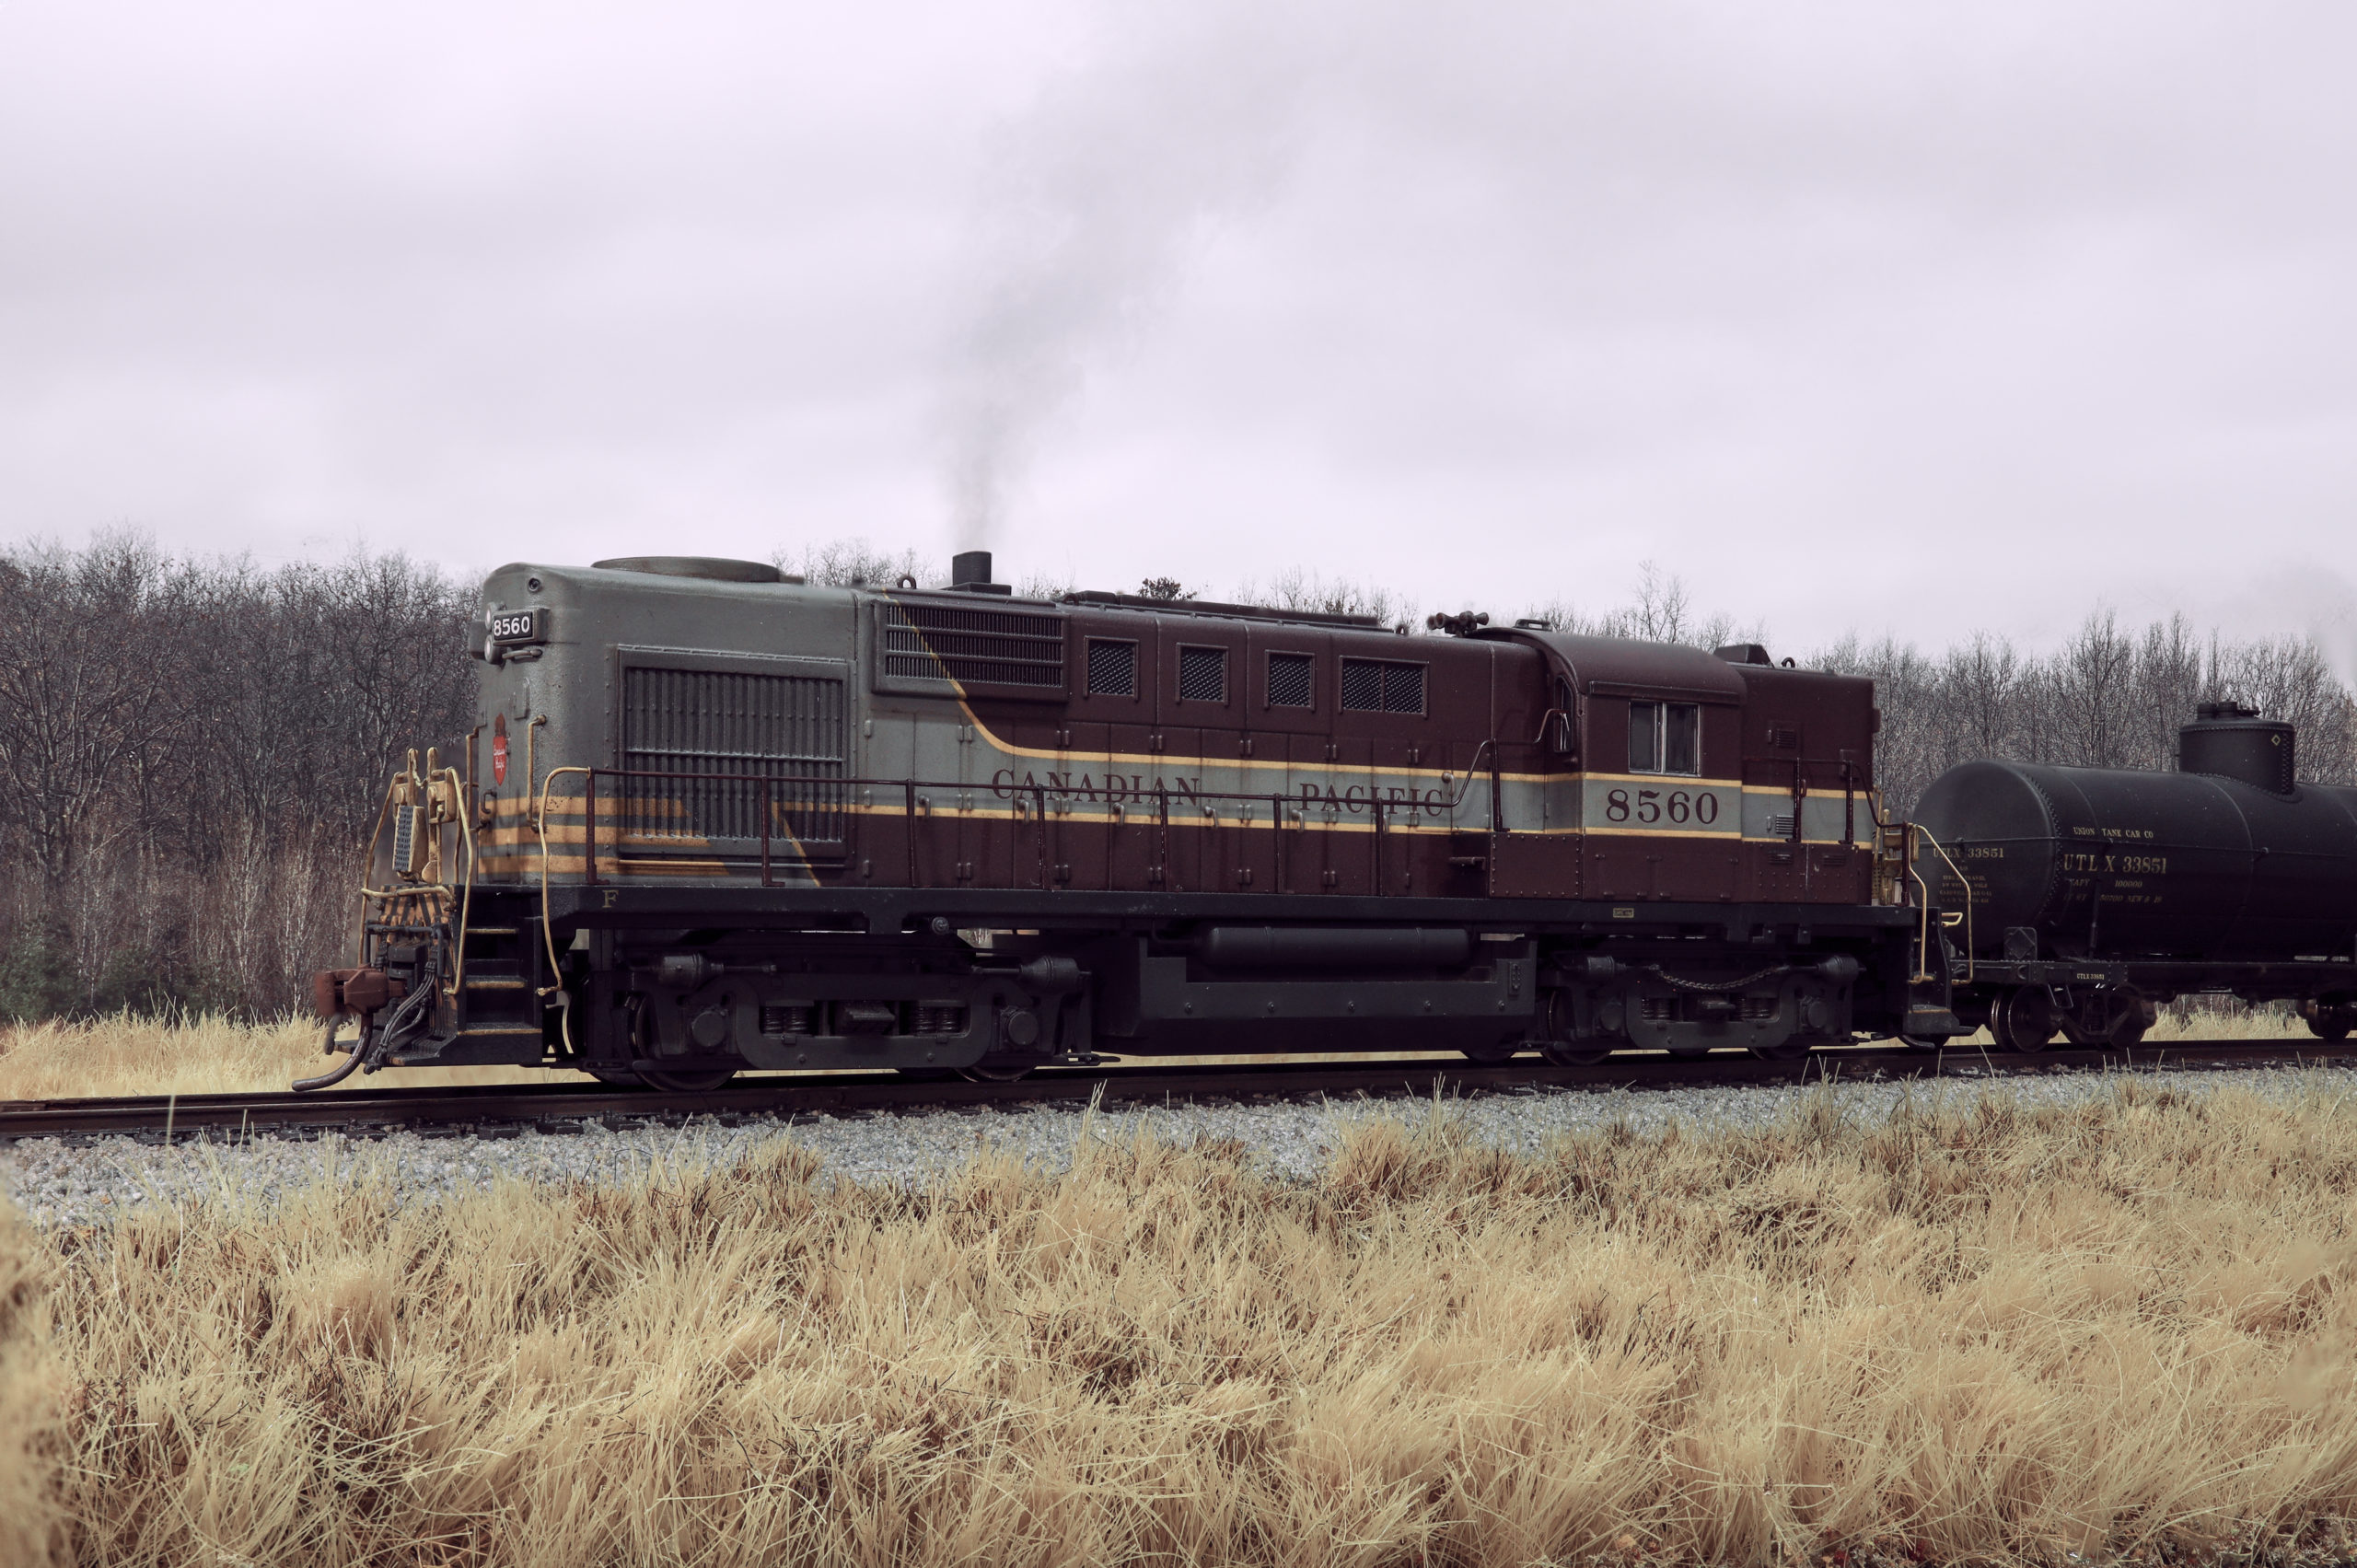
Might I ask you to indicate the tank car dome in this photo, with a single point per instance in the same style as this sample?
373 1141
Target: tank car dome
2229 741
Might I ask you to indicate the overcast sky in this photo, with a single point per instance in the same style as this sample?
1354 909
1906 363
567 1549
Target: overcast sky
1922 318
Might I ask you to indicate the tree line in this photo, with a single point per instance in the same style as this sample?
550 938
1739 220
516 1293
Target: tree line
190 752
2112 696
194 751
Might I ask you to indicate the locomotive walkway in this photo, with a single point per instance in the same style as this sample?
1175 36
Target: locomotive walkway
496 1109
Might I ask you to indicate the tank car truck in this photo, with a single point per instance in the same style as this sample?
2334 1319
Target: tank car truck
2075 901
713 820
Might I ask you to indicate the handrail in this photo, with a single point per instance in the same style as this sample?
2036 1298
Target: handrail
1923 958
1461 788
1383 812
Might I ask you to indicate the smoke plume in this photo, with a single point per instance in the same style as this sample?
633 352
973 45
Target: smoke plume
1092 202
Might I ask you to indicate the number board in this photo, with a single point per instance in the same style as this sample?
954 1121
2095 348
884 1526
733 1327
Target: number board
511 627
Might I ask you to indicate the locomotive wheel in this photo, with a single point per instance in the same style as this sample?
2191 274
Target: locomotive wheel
1493 1054
1563 1053
2024 1018
998 1072
1561 1047
686 1082
1792 1048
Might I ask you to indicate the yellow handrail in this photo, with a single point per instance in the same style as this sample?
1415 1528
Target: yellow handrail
1923 957
438 888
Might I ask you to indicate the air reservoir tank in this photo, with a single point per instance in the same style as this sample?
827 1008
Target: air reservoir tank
2228 858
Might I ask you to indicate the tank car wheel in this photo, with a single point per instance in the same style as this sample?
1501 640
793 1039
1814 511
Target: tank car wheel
2329 1024
2128 1017
687 1083
2024 1018
619 1077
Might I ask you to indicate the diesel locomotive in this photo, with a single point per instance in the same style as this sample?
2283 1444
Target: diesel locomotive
714 818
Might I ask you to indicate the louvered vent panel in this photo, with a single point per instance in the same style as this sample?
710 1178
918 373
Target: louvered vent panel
1202 675
1112 669
973 647
728 727
1380 686
1292 680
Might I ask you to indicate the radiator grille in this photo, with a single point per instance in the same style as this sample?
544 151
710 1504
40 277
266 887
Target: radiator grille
1112 669
1202 675
973 647
1292 680
1382 685
728 728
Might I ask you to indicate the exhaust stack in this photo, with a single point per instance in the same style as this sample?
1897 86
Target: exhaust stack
970 571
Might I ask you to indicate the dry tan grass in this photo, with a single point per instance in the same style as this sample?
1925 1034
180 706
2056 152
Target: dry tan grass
126 1055
29 1398
1970 1333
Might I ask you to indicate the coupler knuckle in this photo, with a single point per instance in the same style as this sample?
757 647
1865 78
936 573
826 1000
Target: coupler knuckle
358 992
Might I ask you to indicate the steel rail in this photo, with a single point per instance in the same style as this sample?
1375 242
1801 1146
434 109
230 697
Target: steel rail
498 1108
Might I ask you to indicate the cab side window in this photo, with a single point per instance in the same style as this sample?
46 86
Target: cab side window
1664 737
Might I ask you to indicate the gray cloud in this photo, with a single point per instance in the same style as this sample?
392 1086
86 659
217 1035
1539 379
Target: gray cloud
1928 318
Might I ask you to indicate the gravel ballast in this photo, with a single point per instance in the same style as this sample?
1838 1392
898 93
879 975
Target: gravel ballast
81 1183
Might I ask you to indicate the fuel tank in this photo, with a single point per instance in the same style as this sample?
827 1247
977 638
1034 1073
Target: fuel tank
2242 863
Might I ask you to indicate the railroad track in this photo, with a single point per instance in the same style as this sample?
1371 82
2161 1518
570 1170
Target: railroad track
496 1108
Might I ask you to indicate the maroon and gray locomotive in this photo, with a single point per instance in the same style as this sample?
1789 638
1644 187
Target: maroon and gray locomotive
714 818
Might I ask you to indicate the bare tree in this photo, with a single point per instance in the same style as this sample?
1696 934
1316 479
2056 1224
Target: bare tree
2107 699
90 658
854 563
1295 589
1663 611
2093 693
